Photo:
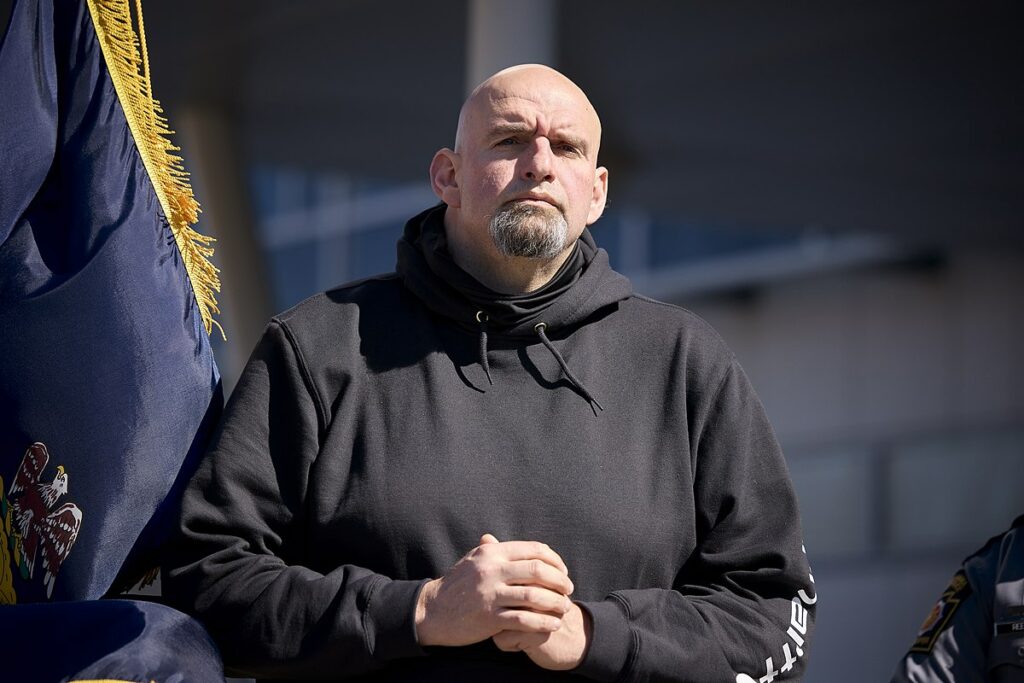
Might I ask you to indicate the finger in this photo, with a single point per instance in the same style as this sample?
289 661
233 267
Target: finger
531 550
536 573
524 620
517 641
533 598
488 538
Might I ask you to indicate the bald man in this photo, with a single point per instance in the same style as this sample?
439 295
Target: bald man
498 463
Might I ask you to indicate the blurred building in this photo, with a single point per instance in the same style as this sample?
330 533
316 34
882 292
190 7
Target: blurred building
837 188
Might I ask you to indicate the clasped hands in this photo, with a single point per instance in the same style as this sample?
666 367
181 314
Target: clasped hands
517 594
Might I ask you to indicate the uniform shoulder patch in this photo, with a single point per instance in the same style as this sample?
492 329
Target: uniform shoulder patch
942 613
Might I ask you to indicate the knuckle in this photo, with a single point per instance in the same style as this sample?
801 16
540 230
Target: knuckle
488 571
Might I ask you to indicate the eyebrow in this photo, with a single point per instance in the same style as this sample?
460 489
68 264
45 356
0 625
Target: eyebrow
503 129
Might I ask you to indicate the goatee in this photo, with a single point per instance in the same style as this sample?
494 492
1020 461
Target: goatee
529 230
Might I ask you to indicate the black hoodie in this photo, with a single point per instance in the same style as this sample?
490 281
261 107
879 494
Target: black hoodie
381 427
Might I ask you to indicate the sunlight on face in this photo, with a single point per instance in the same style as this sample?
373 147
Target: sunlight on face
528 178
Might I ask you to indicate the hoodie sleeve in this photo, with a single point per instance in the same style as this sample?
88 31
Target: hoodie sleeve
742 608
242 520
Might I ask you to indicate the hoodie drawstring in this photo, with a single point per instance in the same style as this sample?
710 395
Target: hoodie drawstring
482 318
539 328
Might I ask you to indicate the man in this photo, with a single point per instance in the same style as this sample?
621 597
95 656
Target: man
975 632
498 463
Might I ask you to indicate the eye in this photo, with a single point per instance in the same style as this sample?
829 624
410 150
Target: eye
568 148
507 142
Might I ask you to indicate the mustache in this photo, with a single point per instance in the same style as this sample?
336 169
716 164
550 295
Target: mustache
518 209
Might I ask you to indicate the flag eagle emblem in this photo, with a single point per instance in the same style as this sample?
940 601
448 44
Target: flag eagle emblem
39 528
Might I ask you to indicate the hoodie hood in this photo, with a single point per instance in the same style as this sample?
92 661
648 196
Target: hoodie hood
584 285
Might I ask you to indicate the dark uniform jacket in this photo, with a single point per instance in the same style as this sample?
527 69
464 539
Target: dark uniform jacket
975 632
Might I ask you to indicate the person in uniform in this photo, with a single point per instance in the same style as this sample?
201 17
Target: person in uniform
975 632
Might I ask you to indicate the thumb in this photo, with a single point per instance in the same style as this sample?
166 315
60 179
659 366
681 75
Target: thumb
487 538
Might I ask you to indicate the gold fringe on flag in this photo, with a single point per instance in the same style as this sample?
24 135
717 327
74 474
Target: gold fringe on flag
128 63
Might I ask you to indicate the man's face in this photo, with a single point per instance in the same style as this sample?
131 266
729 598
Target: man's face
527 171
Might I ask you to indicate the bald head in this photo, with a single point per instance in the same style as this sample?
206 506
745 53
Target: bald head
523 181
534 82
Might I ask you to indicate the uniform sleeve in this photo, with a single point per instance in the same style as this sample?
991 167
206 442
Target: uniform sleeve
952 643
975 631
742 608
236 562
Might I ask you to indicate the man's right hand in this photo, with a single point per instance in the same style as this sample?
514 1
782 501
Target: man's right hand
511 586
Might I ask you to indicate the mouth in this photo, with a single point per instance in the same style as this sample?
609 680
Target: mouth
535 199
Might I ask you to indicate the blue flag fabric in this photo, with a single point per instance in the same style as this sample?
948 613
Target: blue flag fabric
115 640
107 379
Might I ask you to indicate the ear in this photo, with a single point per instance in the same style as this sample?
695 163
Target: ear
600 195
443 180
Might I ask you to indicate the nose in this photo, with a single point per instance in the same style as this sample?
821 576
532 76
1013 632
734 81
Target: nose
537 162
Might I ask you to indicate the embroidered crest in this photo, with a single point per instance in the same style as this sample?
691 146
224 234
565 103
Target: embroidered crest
938 619
33 529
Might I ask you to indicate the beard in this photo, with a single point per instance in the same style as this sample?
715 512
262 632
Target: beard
529 231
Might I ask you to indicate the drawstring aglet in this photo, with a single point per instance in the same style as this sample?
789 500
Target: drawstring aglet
540 328
482 318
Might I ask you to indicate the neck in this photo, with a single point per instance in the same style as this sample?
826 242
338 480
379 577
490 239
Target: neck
500 273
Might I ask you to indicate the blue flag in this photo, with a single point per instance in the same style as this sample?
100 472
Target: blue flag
107 380
107 640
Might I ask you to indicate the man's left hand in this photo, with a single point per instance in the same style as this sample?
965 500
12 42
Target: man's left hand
560 650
